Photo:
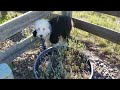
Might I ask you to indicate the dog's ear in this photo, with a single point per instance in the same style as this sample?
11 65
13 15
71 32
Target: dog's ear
35 33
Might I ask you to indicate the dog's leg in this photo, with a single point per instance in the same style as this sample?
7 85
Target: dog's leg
47 42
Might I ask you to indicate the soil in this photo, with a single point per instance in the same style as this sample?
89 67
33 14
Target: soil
5 45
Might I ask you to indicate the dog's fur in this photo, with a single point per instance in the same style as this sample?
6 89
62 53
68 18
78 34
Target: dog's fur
55 32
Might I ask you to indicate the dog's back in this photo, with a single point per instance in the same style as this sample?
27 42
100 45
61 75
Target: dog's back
61 26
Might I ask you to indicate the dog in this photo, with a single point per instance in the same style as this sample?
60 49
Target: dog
55 31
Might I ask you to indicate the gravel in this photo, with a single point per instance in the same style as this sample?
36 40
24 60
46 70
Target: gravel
103 69
23 65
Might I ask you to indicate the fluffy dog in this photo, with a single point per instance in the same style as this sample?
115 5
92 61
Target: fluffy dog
55 31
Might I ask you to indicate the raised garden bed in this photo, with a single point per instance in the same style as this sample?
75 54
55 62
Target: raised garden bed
62 63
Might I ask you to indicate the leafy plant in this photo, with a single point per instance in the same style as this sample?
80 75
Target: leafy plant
66 63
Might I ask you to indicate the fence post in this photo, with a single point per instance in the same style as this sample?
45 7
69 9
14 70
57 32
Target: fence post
67 13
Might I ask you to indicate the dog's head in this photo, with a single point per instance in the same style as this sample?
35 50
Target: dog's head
42 28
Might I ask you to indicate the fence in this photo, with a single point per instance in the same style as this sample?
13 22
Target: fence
15 25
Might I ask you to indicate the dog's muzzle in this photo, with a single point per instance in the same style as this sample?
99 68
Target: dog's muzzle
41 36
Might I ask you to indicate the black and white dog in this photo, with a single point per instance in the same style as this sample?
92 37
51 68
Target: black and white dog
55 31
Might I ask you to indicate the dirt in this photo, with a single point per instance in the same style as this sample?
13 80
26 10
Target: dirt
105 65
23 65
5 45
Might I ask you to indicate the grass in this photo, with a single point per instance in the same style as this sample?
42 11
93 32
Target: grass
9 16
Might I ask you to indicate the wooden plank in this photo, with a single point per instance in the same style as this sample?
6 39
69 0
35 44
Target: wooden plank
114 13
15 25
21 11
98 30
16 48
